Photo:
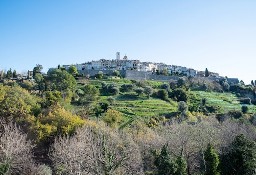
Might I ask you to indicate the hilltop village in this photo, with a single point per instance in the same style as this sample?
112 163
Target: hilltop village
132 69
137 70
123 64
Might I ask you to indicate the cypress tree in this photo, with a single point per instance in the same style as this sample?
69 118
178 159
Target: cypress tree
243 156
206 73
212 161
241 159
164 164
181 166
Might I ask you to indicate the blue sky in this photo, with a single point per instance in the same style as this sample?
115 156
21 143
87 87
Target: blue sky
219 34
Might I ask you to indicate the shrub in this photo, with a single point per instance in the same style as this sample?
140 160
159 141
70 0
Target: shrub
116 73
111 100
245 101
244 109
212 109
162 94
126 87
91 94
17 103
139 91
112 117
235 114
55 121
141 84
148 90
179 95
165 86
109 89
99 75
181 82
182 107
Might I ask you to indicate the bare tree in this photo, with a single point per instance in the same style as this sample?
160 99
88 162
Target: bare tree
16 152
96 152
148 141
231 128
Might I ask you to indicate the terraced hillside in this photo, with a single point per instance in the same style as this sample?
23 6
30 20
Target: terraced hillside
131 104
226 101
144 107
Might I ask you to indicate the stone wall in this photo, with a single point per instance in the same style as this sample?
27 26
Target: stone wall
139 75
131 74
92 72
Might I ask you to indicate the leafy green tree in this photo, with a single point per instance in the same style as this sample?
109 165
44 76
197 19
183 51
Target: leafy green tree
40 81
116 73
28 85
165 86
241 159
55 121
16 103
9 74
139 91
181 166
163 162
111 100
252 83
181 82
73 70
91 94
148 90
162 94
52 98
126 87
61 80
244 109
235 114
212 161
112 117
110 89
37 69
99 75
206 73
204 100
182 107
225 86
179 94
14 74
165 72
100 109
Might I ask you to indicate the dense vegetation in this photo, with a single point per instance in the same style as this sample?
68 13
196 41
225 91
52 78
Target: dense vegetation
61 123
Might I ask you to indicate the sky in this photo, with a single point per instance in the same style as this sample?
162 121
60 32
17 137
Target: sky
219 35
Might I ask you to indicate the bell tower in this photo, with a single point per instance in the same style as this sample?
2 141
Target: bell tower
118 55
